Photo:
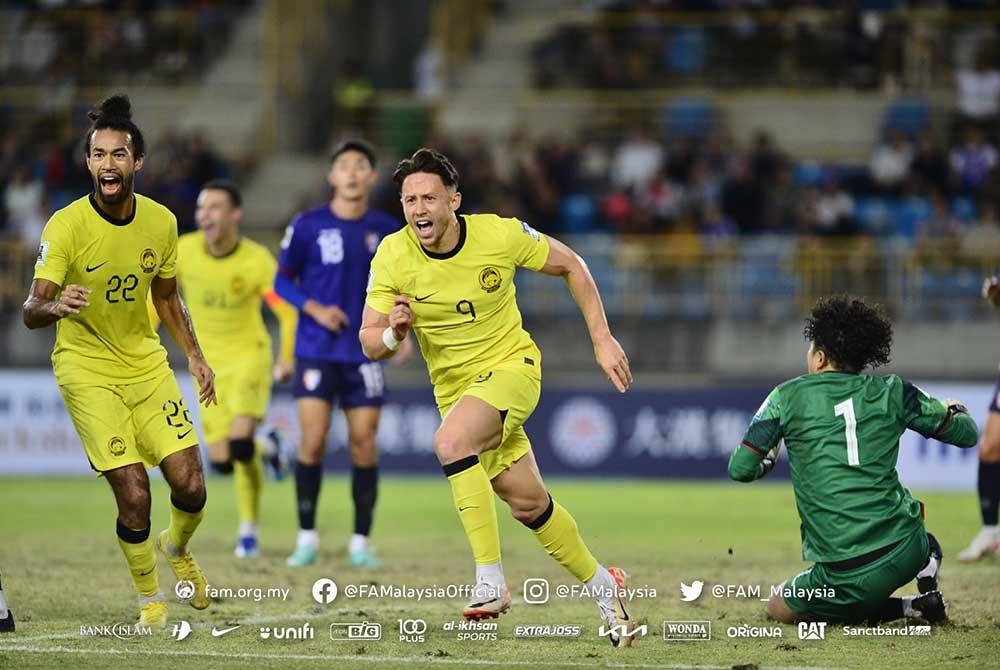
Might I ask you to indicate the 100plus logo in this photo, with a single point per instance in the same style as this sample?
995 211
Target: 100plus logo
412 630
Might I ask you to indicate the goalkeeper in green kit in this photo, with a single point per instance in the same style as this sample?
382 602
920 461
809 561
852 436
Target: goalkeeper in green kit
863 530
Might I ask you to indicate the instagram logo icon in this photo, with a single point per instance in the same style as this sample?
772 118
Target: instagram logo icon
536 591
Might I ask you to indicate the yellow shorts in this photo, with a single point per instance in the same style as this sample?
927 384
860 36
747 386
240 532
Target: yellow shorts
514 388
243 387
122 424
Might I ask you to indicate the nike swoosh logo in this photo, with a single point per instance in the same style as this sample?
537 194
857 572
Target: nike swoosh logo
422 298
92 268
462 509
219 633
143 574
185 434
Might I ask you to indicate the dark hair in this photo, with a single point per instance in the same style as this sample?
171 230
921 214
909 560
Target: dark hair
115 113
360 146
429 161
227 185
853 334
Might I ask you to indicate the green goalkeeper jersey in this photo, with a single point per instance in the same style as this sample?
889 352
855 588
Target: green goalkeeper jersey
841 432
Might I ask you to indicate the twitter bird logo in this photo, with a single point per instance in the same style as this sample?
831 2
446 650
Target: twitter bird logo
692 592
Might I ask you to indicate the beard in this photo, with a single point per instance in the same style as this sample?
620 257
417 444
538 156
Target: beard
124 191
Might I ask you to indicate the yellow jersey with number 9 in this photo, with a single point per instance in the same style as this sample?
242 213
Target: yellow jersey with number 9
465 313
111 340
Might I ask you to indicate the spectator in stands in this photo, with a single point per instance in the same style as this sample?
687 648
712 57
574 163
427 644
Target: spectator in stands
930 164
24 202
636 161
972 161
978 91
834 210
890 163
742 198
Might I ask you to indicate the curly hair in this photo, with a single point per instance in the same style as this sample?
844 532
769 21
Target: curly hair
429 161
854 335
115 113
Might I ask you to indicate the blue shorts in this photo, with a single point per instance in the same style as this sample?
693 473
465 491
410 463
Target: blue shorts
350 384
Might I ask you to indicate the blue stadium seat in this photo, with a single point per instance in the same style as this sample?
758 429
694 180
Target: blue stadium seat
910 214
809 173
963 209
686 48
689 117
578 214
909 114
876 215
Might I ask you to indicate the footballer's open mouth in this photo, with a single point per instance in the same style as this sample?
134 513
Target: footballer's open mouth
423 225
111 183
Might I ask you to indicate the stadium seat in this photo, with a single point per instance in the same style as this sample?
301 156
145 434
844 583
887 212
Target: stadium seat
686 49
963 209
909 114
578 214
910 214
809 173
689 117
876 215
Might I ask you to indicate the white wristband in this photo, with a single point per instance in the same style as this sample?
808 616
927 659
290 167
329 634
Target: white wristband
389 339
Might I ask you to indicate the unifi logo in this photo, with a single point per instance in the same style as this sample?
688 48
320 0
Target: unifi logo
303 632
690 593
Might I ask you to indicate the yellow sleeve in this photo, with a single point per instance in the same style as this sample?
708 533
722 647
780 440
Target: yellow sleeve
168 268
382 289
528 248
287 315
55 252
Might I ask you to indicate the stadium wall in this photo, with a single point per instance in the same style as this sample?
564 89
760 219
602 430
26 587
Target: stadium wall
671 433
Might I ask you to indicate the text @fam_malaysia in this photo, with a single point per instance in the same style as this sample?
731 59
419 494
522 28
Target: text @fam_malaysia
693 591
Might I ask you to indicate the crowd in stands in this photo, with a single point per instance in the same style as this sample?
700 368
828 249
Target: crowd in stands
42 169
656 43
101 42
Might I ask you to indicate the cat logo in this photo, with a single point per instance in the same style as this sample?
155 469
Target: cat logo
147 260
489 279
116 446
237 285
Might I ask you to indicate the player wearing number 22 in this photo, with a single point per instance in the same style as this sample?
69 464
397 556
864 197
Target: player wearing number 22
450 279
860 527
99 257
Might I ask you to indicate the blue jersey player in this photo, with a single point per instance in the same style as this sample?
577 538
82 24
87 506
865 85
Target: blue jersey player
323 271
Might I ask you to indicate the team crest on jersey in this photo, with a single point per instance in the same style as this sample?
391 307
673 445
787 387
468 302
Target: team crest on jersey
116 446
530 232
311 379
237 284
147 260
371 241
489 279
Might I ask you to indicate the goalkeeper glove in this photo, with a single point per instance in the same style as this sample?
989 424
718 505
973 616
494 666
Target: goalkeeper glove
767 464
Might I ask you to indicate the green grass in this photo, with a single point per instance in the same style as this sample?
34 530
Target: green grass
62 568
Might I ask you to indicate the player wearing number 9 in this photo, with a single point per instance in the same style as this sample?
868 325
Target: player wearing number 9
99 257
841 431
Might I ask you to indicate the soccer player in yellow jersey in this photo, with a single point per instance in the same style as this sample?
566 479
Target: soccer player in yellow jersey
450 279
98 258
223 277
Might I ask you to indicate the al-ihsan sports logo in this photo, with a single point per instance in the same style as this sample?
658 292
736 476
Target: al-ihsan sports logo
147 260
489 279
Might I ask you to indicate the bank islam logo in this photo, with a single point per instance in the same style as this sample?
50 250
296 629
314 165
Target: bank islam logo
180 630
812 630
324 591
690 593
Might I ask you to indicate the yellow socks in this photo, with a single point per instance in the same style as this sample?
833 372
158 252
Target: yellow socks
141 559
473 495
248 476
557 531
183 522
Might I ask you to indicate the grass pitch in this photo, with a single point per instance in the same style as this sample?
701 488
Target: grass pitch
62 569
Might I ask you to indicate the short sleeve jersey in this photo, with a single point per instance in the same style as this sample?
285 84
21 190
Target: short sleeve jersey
464 302
110 340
